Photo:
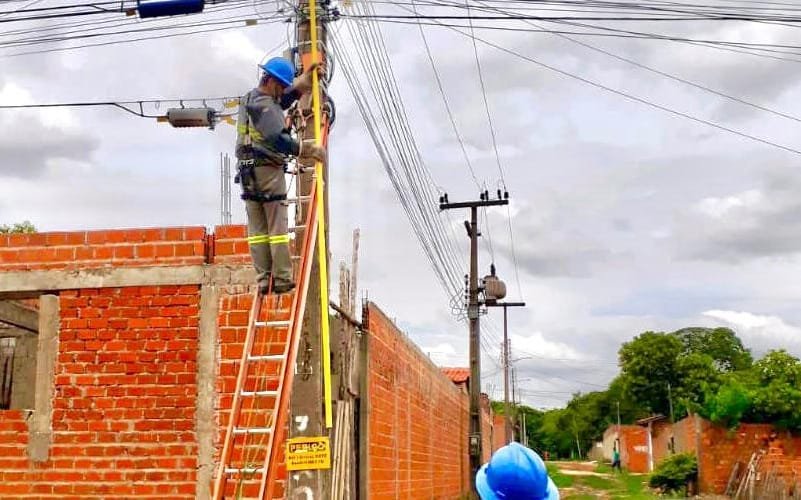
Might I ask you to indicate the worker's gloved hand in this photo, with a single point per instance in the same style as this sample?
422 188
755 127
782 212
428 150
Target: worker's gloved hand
303 83
310 152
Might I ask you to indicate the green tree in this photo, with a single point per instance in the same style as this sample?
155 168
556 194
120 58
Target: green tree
698 378
649 364
728 406
20 227
776 390
721 344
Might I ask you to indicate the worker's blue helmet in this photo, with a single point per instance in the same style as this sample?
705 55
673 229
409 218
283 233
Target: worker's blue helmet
515 472
281 69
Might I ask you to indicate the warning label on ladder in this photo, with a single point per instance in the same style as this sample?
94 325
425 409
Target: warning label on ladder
307 453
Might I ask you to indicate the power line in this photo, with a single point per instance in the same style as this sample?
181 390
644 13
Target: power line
130 40
570 18
628 96
672 77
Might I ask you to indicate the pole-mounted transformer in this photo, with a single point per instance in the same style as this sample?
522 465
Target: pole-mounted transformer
161 8
494 288
191 117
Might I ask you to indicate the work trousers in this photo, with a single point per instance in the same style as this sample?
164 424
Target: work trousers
267 227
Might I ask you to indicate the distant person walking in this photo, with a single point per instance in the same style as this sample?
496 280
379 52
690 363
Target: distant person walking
616 459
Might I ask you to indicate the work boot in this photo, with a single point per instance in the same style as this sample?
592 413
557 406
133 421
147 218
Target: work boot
283 287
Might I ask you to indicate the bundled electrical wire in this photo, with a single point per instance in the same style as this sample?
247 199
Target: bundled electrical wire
368 72
41 37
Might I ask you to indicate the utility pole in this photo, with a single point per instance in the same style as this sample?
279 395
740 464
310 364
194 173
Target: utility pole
474 324
670 402
307 392
506 408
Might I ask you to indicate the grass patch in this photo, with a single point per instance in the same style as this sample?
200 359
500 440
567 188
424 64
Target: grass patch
598 483
604 468
634 484
581 496
559 479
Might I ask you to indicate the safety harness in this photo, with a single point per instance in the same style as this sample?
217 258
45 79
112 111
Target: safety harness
246 169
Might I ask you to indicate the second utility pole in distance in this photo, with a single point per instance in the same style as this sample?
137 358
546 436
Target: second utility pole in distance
509 429
472 315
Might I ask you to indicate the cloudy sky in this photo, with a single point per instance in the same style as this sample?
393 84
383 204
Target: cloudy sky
626 218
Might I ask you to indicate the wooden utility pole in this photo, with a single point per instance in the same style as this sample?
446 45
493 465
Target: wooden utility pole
307 401
507 409
474 438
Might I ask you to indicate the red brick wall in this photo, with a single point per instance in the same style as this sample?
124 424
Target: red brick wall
417 422
721 448
126 374
230 246
498 432
661 433
90 249
685 436
123 412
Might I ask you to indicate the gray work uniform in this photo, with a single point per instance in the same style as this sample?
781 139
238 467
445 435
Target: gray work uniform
261 135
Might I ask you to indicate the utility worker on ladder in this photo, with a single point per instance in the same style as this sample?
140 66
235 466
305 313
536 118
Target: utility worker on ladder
263 147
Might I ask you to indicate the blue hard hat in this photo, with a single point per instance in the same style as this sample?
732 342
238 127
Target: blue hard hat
515 473
281 69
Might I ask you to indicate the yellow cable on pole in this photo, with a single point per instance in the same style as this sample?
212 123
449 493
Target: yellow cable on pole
322 251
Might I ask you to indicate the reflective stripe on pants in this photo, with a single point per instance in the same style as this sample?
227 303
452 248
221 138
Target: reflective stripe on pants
267 227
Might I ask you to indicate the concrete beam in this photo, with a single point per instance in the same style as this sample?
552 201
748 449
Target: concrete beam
205 426
40 425
18 283
16 315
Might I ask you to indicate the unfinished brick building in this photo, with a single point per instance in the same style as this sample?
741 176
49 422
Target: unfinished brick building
122 357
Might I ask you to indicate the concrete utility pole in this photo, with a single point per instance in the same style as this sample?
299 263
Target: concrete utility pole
474 325
307 391
506 408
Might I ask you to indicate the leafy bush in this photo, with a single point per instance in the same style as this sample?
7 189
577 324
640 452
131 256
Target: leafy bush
728 406
675 473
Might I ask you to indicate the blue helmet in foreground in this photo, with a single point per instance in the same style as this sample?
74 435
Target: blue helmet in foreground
281 69
515 473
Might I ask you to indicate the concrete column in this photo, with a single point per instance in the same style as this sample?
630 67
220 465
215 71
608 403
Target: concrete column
206 372
41 424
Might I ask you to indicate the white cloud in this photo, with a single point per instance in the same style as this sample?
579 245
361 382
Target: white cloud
762 332
720 207
444 354
537 345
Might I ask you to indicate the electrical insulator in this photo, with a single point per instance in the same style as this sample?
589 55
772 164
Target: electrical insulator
191 117
169 8
494 289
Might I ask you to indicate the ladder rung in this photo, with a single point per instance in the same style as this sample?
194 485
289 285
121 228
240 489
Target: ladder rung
301 199
270 357
245 470
253 430
259 393
274 324
297 228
